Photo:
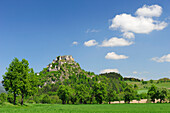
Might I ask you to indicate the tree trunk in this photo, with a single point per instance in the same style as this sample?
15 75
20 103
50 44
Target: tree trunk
109 102
160 101
22 101
63 102
14 98
67 101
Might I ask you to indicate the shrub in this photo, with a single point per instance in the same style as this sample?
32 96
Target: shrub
10 98
3 97
54 99
46 99
31 101
36 99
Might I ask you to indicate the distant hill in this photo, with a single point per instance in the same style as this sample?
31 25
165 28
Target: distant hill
65 71
131 79
2 90
60 69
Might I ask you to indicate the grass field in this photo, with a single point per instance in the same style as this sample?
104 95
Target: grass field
104 108
143 88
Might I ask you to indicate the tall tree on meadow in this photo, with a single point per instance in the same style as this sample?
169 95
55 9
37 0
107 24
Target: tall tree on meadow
11 79
82 93
28 81
63 93
20 79
111 94
153 92
99 91
129 94
163 94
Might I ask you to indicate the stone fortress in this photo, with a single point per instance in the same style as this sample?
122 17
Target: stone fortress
60 60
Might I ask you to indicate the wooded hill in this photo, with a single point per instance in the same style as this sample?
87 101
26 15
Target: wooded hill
64 81
70 74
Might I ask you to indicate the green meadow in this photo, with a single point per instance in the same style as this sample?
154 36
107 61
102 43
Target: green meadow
143 88
96 108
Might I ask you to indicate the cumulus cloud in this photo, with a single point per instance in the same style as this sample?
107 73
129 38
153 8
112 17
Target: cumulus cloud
75 43
142 23
114 56
112 42
90 43
165 58
149 11
109 70
128 35
92 31
128 23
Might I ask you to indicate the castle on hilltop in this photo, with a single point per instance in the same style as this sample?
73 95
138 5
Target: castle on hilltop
60 60
66 57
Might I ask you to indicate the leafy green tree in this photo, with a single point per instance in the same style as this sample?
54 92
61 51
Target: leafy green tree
152 92
163 94
129 94
10 97
82 93
28 80
151 81
99 90
168 97
138 98
63 93
19 79
111 95
135 86
73 97
11 79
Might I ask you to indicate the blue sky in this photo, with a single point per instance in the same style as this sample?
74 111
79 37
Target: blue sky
40 30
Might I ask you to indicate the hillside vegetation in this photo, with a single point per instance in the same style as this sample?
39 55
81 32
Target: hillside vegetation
143 86
64 81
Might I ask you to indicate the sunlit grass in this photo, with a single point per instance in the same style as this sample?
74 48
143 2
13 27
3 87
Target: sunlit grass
104 108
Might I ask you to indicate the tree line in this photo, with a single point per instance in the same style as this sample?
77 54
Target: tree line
23 85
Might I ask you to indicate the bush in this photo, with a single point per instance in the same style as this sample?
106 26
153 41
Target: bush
143 95
10 98
31 101
54 99
36 99
3 97
46 99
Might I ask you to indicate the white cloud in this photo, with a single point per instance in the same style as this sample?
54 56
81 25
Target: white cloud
128 23
75 43
114 56
165 58
135 72
142 23
149 11
109 70
112 42
92 31
90 43
128 35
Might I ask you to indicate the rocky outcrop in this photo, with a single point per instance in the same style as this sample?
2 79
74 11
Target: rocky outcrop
59 61
60 69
